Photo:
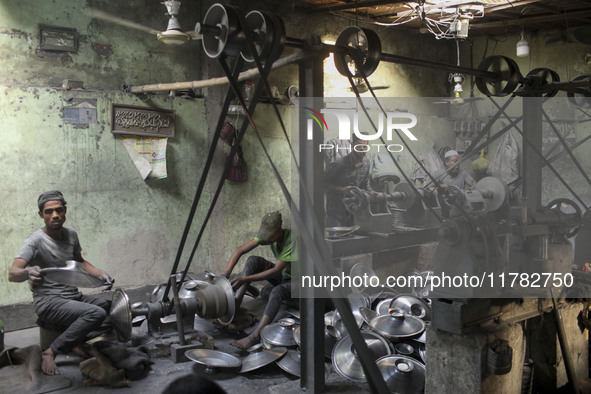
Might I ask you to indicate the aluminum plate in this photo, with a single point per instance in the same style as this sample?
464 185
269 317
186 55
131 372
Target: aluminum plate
73 274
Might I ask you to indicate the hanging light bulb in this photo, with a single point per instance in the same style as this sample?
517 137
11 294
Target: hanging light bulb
522 46
458 79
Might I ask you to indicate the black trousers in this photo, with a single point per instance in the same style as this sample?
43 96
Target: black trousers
282 286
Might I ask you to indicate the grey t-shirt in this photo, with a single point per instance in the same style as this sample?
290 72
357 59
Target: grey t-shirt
463 180
39 249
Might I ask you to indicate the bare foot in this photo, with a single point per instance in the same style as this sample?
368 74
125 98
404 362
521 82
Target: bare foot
48 365
79 351
245 342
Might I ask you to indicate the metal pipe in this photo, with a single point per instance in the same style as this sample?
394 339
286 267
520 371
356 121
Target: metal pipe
177 309
302 55
248 74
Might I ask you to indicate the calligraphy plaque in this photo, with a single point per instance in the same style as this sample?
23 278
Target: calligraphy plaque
129 119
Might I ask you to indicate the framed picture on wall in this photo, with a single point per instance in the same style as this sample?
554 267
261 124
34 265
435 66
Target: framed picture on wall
61 39
143 121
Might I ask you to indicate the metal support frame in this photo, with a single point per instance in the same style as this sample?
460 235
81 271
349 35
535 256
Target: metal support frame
311 171
311 82
531 162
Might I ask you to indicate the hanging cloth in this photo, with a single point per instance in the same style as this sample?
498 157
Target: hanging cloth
505 163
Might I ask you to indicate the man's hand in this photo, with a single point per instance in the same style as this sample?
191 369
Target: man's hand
108 281
34 275
238 282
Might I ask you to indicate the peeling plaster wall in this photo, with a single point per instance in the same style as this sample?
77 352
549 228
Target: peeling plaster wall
127 226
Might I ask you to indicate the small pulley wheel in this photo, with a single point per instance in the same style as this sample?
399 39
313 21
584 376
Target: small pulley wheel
539 78
507 72
410 196
580 99
358 52
567 207
452 196
262 32
355 199
221 30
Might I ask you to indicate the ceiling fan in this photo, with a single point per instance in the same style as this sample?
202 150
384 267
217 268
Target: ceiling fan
456 100
173 35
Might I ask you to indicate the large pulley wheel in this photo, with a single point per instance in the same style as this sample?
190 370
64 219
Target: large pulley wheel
498 192
580 99
539 78
566 207
358 52
221 30
266 32
508 76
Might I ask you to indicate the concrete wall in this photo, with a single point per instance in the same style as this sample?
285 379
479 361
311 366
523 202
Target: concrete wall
130 227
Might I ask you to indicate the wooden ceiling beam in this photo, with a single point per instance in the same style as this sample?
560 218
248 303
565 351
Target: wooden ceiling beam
531 20
513 5
352 6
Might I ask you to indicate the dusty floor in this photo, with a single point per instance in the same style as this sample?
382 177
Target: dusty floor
268 379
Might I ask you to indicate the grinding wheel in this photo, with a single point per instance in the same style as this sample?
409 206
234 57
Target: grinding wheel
498 189
224 284
120 315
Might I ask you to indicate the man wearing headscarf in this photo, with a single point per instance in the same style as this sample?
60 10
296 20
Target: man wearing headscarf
59 307
453 174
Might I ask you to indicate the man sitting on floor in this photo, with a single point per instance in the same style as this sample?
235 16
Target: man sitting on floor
58 306
258 268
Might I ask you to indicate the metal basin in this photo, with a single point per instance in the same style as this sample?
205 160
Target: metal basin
72 274
413 306
280 333
259 356
291 362
402 374
213 359
367 314
397 325
344 355
383 307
